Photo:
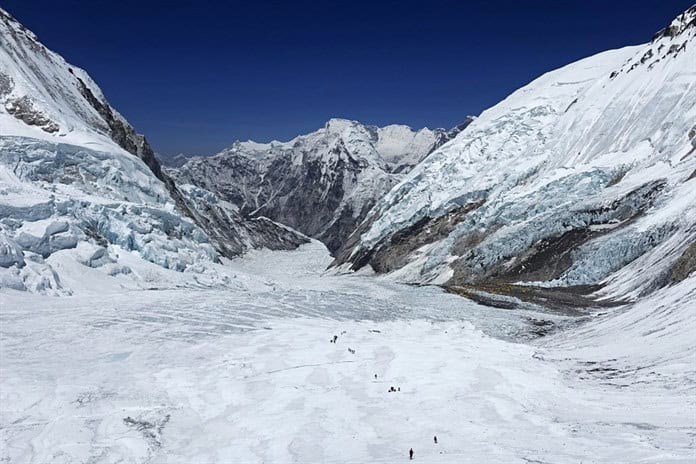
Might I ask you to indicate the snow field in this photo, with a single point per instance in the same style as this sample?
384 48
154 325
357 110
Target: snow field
249 375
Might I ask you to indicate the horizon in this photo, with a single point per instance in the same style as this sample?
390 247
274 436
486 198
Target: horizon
190 79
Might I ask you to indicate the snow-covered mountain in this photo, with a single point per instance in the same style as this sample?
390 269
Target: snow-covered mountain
584 177
323 183
78 184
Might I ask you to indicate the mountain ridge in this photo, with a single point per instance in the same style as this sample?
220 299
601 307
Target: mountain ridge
322 183
576 179
79 184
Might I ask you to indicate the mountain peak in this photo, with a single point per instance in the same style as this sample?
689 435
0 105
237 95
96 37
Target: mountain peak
338 125
682 23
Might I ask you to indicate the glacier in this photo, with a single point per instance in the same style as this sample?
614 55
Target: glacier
588 168
78 182
247 373
522 288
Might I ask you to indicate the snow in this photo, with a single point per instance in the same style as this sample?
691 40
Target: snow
71 199
59 197
373 154
32 71
157 350
575 140
247 374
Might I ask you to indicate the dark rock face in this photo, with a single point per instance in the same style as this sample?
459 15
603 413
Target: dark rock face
299 196
233 234
680 24
394 252
6 84
322 184
23 109
121 132
551 256
685 265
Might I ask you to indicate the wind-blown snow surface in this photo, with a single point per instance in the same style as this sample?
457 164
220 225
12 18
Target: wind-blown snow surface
602 150
247 374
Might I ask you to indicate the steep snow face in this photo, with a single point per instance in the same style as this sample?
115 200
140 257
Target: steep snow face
44 97
567 181
81 191
323 183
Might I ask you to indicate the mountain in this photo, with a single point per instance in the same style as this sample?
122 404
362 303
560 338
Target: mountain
174 161
78 183
582 181
323 183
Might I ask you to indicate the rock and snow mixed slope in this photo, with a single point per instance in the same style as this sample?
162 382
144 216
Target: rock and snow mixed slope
587 175
323 183
246 373
78 183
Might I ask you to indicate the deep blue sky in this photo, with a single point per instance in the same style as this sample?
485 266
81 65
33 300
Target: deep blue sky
193 76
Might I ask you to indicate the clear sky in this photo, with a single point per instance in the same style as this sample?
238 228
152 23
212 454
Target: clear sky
194 76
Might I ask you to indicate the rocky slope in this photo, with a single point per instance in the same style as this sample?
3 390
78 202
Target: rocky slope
323 183
584 178
74 175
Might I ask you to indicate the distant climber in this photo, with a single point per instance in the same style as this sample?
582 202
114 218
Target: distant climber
335 337
410 454
435 439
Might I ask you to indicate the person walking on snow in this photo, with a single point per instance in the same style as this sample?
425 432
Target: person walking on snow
410 454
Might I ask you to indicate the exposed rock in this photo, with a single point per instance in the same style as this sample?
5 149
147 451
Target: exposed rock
685 265
583 183
234 234
678 26
322 184
23 109
394 252
6 85
551 256
38 88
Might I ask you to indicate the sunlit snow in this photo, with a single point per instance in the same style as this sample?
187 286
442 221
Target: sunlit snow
248 374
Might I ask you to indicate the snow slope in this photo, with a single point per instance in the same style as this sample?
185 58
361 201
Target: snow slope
586 175
248 375
79 185
44 97
323 183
